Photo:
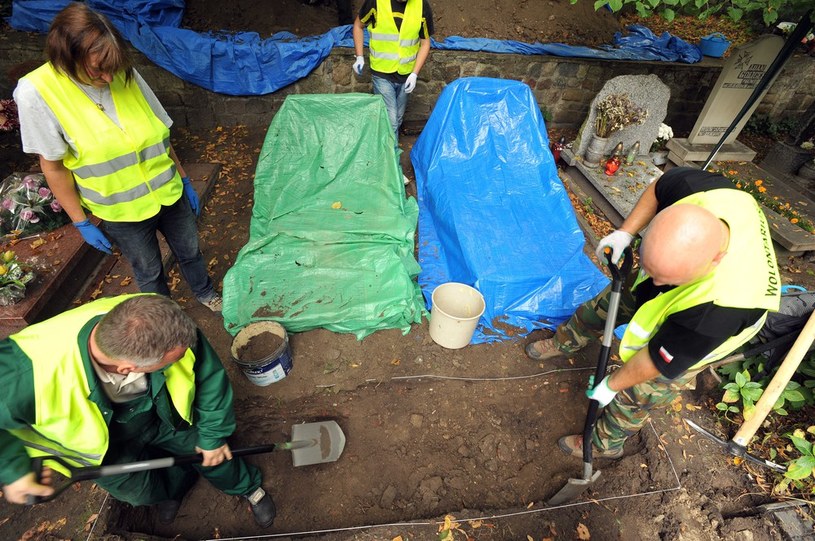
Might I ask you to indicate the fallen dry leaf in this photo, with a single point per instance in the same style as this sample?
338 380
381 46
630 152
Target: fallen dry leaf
89 523
583 532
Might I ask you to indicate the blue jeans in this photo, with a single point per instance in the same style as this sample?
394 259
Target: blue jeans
395 98
139 245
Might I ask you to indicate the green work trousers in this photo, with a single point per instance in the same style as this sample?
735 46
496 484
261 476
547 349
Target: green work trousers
144 437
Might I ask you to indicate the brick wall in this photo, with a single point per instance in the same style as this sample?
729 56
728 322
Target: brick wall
563 86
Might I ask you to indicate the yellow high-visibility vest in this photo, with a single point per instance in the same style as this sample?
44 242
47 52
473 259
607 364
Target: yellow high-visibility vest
122 174
747 277
68 424
392 50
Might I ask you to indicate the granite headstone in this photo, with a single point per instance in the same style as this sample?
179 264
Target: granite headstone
741 73
647 92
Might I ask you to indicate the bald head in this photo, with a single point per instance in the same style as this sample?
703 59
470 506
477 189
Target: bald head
684 243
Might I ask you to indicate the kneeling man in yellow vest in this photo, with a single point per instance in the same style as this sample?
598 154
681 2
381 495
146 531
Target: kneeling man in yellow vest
119 380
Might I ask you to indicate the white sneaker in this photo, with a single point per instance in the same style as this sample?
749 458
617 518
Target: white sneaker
215 304
405 179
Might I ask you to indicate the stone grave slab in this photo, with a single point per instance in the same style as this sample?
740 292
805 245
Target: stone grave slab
623 189
740 75
681 152
647 92
66 266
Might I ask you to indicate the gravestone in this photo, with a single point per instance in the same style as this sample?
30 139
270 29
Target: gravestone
647 92
740 75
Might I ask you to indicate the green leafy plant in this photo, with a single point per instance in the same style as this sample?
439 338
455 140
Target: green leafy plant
742 390
764 125
800 471
766 11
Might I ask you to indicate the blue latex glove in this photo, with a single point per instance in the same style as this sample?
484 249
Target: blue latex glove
192 197
602 393
94 236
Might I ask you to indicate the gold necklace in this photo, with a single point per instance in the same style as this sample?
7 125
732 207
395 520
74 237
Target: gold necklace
98 101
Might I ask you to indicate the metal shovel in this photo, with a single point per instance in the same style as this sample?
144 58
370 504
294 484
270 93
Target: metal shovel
738 445
576 487
312 443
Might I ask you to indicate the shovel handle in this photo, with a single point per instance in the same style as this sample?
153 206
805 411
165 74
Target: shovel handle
87 473
777 385
618 276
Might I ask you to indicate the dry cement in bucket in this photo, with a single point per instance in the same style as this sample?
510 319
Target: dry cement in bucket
262 351
455 314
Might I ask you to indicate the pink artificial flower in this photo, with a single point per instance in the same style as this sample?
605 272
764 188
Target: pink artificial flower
31 182
29 215
8 204
55 206
44 192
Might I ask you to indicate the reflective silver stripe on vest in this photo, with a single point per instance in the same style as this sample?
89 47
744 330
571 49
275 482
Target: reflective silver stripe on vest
60 451
635 329
121 162
128 195
385 56
384 37
633 348
408 60
409 42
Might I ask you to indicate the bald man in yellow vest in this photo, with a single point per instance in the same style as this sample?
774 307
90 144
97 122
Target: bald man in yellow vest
708 277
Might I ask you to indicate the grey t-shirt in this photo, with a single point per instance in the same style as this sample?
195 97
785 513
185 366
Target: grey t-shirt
41 132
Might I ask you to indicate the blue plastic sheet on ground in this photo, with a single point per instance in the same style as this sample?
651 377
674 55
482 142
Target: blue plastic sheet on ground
244 64
494 214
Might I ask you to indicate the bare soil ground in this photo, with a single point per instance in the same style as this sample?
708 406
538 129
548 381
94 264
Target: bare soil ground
555 21
431 432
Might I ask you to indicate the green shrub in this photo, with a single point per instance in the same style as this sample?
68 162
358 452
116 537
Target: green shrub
767 11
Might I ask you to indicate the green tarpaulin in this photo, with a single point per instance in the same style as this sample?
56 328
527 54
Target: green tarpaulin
331 238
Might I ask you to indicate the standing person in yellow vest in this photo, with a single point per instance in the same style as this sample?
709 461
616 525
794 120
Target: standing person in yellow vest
400 33
104 145
119 380
708 277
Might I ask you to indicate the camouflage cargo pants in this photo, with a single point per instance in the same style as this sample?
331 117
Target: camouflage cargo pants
630 409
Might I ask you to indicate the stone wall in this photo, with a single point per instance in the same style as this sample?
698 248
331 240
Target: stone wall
564 87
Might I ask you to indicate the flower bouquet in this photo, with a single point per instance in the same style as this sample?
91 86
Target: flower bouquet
615 112
14 275
27 206
663 136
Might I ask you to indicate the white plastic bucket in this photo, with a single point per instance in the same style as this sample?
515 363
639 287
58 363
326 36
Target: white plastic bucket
454 315
270 368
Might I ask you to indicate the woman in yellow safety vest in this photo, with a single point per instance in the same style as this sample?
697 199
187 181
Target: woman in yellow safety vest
104 145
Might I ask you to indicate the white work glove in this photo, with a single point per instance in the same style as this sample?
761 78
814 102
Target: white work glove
602 393
359 64
410 84
618 241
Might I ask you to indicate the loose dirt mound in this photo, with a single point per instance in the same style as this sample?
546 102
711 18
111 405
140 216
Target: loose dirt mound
554 21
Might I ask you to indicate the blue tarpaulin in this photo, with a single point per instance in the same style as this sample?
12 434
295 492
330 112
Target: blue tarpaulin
244 64
494 214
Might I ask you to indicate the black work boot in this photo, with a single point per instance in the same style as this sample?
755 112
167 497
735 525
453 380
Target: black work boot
167 510
263 507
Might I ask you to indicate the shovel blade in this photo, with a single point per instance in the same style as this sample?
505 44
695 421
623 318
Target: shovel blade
572 490
327 442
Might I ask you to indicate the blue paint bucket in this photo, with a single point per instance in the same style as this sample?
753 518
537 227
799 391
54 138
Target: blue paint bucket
262 368
714 45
